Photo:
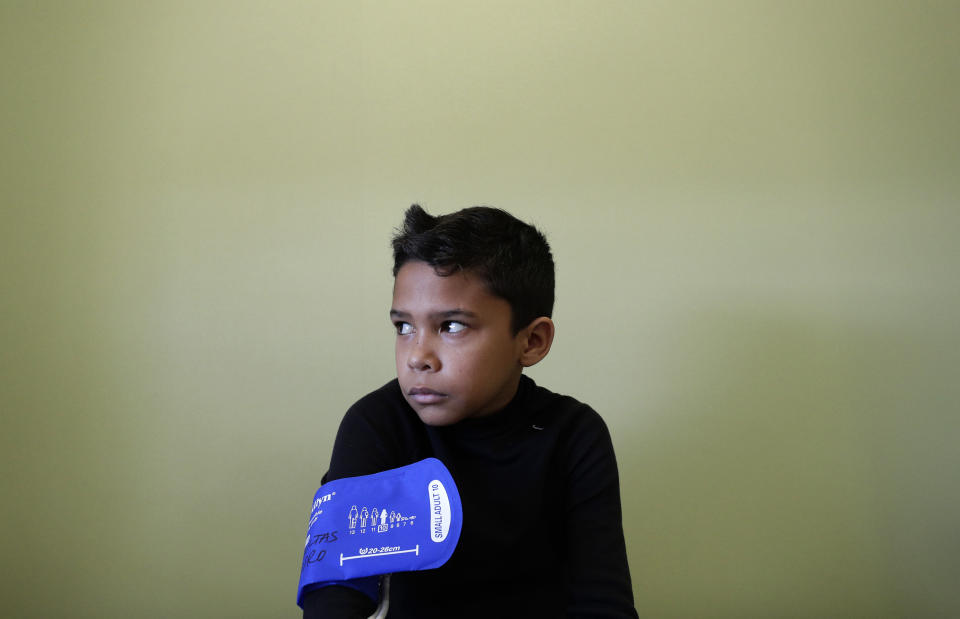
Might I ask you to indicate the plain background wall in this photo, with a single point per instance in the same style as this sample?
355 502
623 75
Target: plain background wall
754 209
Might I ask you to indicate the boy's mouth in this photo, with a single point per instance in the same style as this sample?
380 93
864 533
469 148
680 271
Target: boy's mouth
423 395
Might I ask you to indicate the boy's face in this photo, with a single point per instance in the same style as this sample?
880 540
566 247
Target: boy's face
456 354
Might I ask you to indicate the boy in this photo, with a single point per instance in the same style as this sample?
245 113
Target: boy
542 533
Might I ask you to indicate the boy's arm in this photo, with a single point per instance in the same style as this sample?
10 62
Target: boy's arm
337 602
597 574
360 448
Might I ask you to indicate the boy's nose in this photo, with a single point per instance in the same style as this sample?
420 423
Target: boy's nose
421 357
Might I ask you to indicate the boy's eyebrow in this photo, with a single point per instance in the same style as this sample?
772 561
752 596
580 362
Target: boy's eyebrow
443 314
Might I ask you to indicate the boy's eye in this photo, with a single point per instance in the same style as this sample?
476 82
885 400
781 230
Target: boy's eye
403 328
452 326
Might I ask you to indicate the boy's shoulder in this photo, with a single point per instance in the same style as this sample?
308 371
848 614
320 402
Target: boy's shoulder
378 432
544 397
389 393
381 406
568 412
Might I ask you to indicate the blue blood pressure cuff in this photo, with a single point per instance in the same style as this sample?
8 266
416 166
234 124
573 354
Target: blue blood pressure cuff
399 520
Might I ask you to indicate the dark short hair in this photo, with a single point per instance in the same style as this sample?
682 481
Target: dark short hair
512 257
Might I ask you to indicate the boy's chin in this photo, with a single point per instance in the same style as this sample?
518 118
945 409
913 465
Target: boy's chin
437 416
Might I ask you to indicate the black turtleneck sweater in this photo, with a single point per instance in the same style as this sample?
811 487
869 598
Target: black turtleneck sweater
542 529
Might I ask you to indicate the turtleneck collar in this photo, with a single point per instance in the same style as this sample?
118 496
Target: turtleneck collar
512 415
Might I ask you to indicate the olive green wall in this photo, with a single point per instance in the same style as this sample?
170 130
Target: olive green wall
754 209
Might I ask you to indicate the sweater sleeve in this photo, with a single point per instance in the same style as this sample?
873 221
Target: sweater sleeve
597 573
337 602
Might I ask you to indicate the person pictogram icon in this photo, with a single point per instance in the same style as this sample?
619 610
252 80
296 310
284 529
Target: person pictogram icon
352 517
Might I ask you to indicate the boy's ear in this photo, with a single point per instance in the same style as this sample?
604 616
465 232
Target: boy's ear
537 337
